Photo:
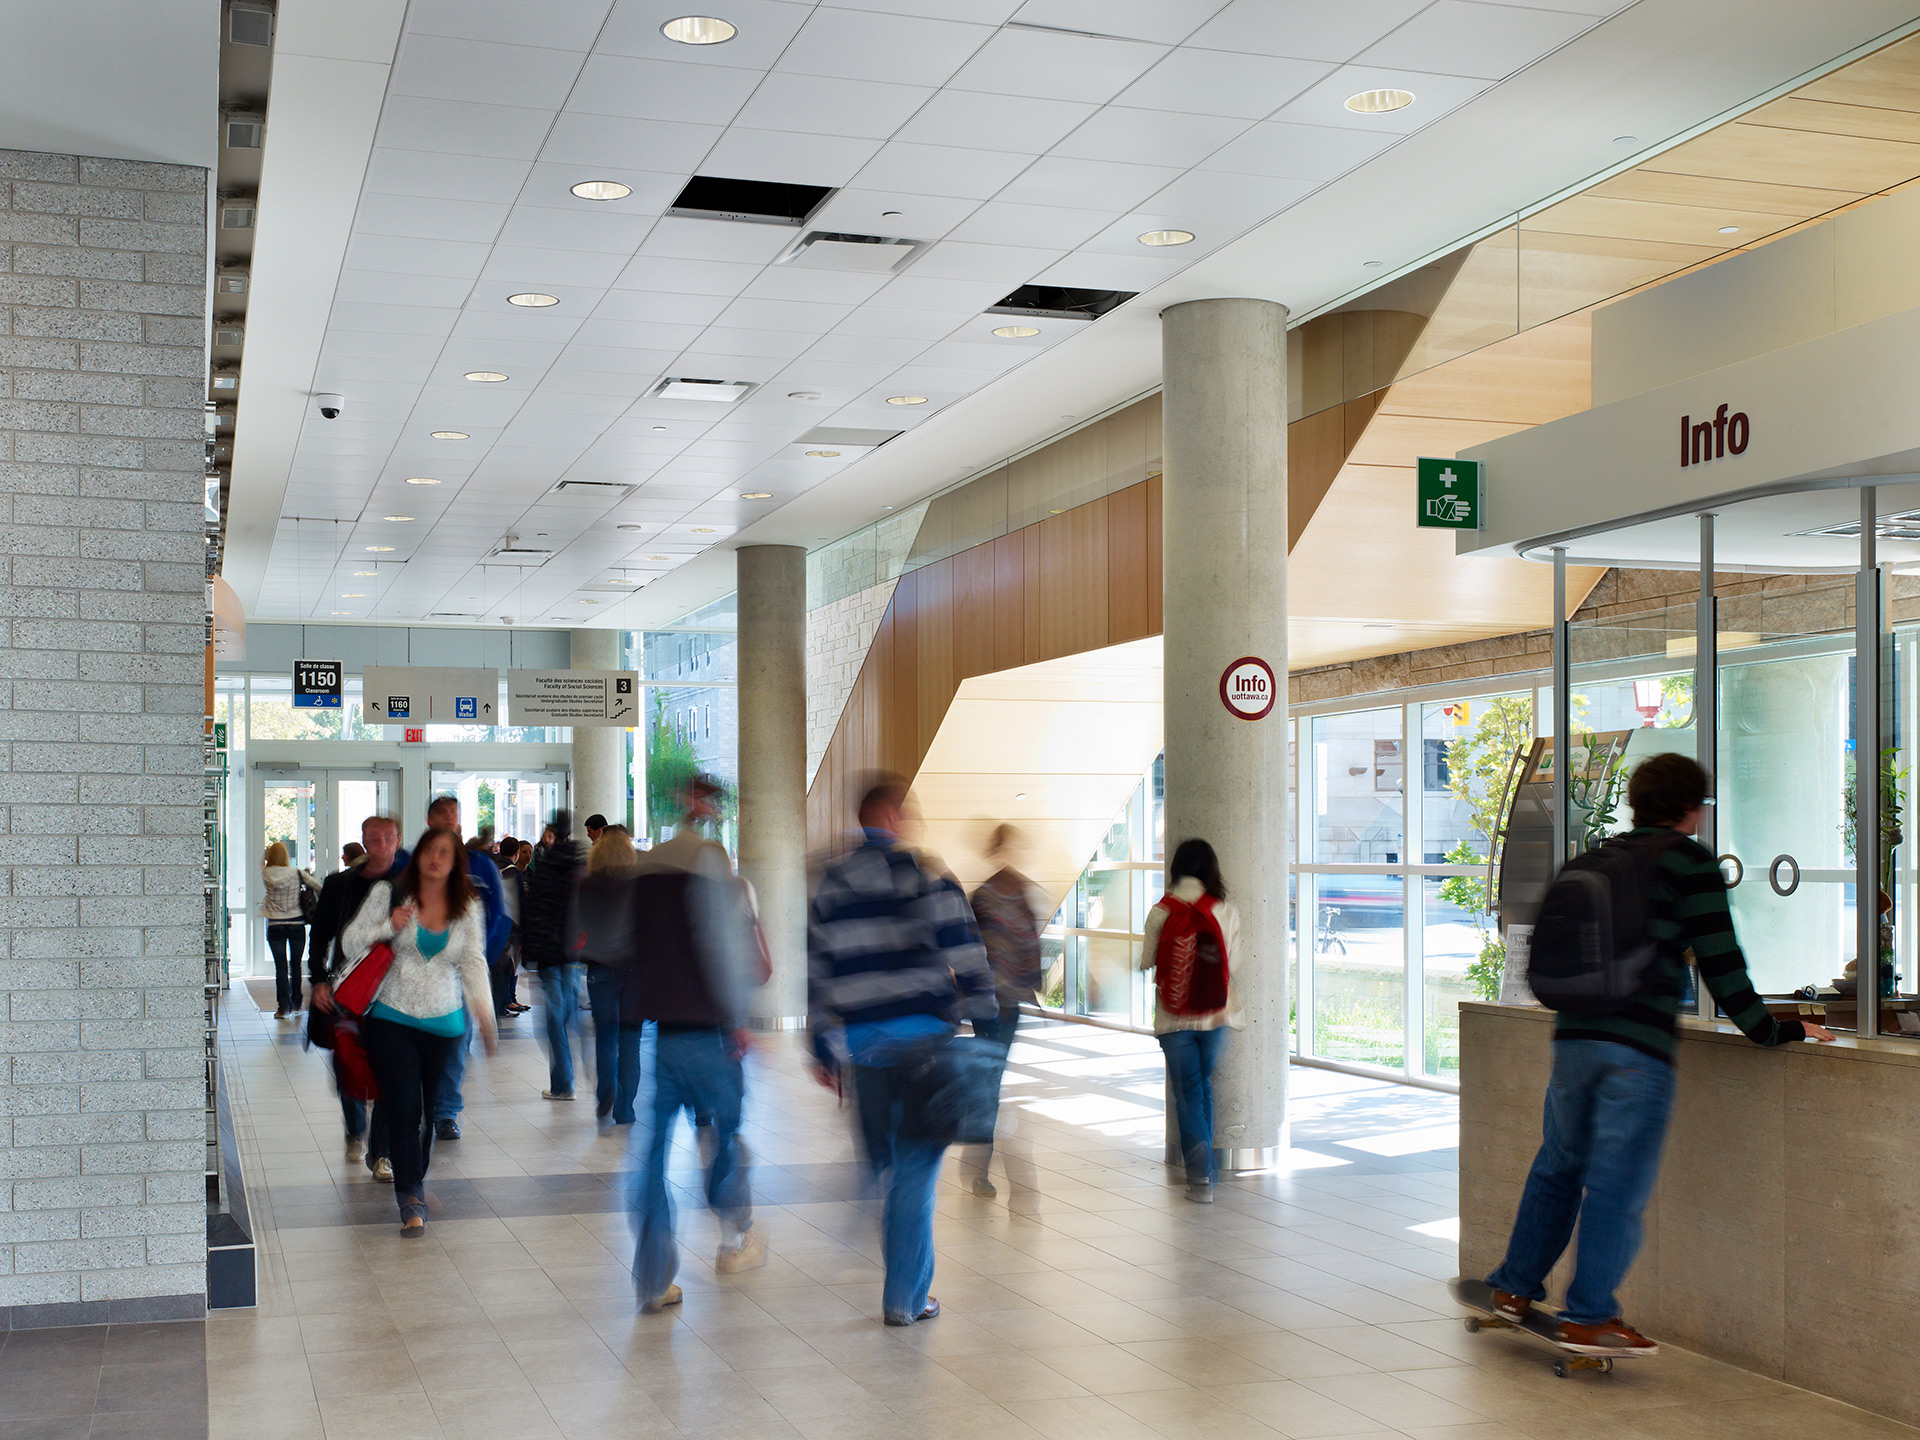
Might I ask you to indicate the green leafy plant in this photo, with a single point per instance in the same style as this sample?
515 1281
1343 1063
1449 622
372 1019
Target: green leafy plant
1479 769
671 764
1892 783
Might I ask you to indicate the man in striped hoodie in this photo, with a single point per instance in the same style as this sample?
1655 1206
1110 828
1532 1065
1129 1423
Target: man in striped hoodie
893 961
1612 1087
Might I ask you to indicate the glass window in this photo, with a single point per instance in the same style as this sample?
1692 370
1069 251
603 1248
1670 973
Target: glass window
1468 749
1359 969
1457 937
1357 783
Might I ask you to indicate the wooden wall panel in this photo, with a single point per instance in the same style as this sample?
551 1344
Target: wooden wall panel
1156 593
1009 601
1127 607
934 675
974 573
1073 581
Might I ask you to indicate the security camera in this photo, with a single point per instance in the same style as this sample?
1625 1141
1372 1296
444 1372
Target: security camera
506 619
330 405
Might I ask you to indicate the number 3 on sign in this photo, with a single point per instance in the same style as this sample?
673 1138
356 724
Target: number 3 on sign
1247 688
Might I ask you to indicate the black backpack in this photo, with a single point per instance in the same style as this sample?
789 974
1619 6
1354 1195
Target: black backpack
1592 952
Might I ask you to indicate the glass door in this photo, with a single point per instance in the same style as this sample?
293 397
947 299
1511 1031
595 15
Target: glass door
498 803
313 812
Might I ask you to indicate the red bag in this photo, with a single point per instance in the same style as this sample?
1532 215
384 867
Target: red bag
359 986
1190 960
352 1069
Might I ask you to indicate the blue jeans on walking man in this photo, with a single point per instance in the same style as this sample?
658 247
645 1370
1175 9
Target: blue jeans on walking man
616 1048
1605 1125
560 987
697 1070
908 1168
1191 1056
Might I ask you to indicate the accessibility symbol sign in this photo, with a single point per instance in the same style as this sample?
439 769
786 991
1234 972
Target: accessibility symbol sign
1449 494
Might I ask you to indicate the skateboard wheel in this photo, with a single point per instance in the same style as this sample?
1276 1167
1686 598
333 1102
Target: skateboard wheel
1473 1325
1606 1367
1560 1368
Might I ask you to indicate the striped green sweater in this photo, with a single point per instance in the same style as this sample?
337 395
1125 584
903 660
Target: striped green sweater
1689 910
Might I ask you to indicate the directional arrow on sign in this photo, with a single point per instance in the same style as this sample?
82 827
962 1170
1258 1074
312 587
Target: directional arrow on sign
375 705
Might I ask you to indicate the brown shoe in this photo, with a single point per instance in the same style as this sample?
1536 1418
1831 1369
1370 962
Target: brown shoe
1611 1337
1511 1307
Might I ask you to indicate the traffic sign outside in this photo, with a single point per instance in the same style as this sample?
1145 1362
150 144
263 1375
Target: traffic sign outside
1450 494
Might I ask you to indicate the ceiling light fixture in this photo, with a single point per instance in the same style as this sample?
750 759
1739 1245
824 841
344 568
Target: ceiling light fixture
485 377
656 557
629 527
1626 139
1379 102
380 549
803 395
396 519
906 399
1166 237
1021 796
756 494
824 454
533 300
342 612
421 480
1017 332
365 574
1729 229
451 435
352 595
698 30
703 529
1372 264
602 190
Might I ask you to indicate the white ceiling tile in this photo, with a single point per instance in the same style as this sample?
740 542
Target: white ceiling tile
1240 198
576 301
1149 137
864 212
978 330
1305 29
976 121
399 255
764 26
661 90
940 170
678 238
848 375
991 356
596 382
671 274
604 141
447 177
1092 271
901 49
1434 96
1302 152
1087 184
564 24
1001 222
659 308
1056 67
551 185
614 360
829 287
980 12
555 267
437 67
429 219
905 324
366 300
520 325
811 317
1008 266
463 127
821 106
522 359
539 227
1165 21
788 158
911 292
639 334
935 381
1459 37
1216 82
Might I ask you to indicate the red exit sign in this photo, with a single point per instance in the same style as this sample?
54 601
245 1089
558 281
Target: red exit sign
416 736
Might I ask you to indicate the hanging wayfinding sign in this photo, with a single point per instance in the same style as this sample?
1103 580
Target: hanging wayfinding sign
574 697
417 694
316 684
1450 494
1248 689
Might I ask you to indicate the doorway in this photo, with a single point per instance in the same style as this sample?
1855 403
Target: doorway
314 812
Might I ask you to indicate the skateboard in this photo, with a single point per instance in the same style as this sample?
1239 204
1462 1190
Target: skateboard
1542 1324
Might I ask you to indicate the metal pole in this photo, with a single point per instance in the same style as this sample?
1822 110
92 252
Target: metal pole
1706 709
1866 771
1562 709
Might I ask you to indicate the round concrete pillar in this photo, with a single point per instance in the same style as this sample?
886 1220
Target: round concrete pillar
599 751
1224 528
773 766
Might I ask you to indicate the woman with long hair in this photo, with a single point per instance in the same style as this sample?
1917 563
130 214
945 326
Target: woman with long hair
1191 938
603 918
436 926
286 925
1005 908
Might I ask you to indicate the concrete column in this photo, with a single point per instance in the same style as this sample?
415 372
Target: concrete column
773 765
1224 528
600 751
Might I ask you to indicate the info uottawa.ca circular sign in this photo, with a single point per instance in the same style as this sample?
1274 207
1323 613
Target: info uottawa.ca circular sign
1247 688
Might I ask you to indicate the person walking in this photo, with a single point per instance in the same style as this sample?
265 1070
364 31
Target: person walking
513 899
1192 935
693 975
435 987
547 944
1006 909
286 925
893 963
1611 1094
340 899
443 813
604 921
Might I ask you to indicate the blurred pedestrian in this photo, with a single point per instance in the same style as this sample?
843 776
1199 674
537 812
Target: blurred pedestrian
435 987
513 897
604 921
1006 909
547 944
350 854
1191 937
286 916
443 813
893 961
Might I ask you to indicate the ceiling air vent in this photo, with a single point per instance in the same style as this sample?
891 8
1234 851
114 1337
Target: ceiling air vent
231 280
1061 302
453 615
830 250
246 132
846 435
237 214
229 335
250 25
593 489
512 553
686 388
756 202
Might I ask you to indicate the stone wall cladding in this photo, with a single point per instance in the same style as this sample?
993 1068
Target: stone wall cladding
839 634
102 1081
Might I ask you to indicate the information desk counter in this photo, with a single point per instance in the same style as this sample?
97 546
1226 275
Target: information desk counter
1784 1233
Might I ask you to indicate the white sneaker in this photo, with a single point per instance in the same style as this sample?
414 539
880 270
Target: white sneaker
356 1149
1200 1194
556 1094
654 1307
383 1170
749 1254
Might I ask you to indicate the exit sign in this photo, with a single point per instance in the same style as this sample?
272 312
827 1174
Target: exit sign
1450 494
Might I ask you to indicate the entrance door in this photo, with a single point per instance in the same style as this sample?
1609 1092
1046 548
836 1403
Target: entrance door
313 812
504 802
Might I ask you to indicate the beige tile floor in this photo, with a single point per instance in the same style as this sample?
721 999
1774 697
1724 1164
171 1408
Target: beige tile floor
1089 1301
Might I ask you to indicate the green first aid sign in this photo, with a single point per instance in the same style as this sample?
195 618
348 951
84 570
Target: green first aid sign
1450 494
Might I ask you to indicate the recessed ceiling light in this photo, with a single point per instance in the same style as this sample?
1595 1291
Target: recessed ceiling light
602 190
352 595
396 519
888 214
1021 796
1017 332
629 527
906 399
451 435
703 529
886 507
342 612
421 480
589 602
533 300
380 549
656 557
756 494
659 429
365 574
1056 512
803 395
824 454
698 30
1166 237
486 377
1729 229
1379 102
1626 139
1371 264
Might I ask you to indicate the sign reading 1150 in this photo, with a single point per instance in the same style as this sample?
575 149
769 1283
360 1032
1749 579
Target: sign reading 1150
316 684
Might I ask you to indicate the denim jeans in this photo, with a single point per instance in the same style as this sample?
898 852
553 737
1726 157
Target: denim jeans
696 1070
909 1169
287 940
1191 1056
616 1048
448 1102
408 1063
1605 1124
560 984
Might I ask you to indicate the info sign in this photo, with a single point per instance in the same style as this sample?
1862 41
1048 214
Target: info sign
1247 688
316 684
1450 494
574 697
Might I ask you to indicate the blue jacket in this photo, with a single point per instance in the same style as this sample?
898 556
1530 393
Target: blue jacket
486 879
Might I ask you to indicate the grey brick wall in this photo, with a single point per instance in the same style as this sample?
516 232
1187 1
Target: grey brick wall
102 354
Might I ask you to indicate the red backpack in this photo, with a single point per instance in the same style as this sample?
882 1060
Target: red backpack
1190 960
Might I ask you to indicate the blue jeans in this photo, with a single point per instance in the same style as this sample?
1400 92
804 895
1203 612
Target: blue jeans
447 1099
696 1070
1606 1122
910 1168
1191 1056
560 984
616 1048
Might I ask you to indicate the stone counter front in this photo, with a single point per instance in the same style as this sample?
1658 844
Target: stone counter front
1784 1233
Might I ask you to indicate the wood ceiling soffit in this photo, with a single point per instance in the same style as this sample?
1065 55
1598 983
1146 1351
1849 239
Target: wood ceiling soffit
1740 151
1887 79
1537 376
1657 187
1794 112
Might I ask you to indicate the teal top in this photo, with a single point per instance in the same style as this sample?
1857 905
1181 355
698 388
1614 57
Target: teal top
430 943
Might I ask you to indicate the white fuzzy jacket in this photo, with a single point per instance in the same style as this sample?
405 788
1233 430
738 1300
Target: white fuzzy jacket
282 902
421 986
